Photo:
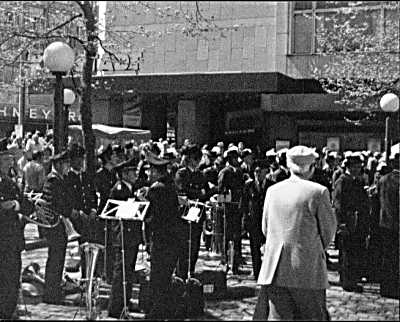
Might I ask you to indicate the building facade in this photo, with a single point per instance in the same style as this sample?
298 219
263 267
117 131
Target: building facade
248 80
270 50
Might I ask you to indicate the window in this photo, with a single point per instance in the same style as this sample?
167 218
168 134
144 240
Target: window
312 22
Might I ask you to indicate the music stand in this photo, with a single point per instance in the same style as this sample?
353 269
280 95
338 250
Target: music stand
193 214
124 210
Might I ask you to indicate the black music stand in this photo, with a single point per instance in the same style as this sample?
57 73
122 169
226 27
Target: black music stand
124 210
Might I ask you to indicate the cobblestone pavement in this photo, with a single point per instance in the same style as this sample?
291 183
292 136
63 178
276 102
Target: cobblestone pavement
239 302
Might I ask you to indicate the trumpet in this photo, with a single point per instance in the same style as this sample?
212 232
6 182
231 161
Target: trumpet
43 215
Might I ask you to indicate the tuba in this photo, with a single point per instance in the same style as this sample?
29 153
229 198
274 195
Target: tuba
92 287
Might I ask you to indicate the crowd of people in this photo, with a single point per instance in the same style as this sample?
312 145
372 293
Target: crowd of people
290 203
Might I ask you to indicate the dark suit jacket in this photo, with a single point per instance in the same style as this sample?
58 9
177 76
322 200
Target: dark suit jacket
162 218
348 197
252 205
388 192
56 193
82 192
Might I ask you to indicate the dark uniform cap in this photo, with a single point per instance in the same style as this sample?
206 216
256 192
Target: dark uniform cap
62 156
191 150
353 159
129 145
246 152
130 164
154 160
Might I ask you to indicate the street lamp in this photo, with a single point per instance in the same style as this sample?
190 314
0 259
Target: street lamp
69 99
390 104
59 58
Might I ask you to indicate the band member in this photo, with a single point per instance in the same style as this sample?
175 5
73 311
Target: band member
123 189
162 228
56 194
191 183
252 207
83 200
104 180
11 235
351 204
230 179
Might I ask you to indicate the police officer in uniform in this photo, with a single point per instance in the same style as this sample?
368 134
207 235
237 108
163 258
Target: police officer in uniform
83 200
351 204
123 189
191 183
231 179
104 180
55 193
11 235
163 230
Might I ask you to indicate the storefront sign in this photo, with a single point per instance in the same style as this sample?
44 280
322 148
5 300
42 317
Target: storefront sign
333 143
132 117
374 145
282 144
243 121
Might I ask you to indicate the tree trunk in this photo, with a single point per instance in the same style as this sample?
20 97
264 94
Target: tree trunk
86 103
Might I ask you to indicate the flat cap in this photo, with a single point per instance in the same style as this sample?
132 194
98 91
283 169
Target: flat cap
301 155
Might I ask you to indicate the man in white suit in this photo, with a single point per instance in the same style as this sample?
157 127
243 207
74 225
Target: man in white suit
299 224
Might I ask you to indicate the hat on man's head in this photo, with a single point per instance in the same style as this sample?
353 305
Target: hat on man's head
117 149
127 165
154 160
299 157
59 157
246 152
232 151
191 150
354 158
270 153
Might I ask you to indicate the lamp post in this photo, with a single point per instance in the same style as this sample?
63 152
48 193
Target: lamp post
389 103
69 99
59 58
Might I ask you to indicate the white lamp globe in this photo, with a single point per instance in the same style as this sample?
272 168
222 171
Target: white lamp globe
389 102
69 96
58 57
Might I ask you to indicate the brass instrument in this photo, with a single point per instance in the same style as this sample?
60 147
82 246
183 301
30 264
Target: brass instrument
43 215
46 217
92 286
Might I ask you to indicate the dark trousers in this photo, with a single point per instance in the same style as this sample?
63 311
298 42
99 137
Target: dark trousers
116 303
183 256
164 257
352 260
256 240
10 271
234 232
390 264
57 240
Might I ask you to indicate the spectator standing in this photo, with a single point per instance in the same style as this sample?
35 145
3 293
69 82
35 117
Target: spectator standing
34 173
298 229
388 192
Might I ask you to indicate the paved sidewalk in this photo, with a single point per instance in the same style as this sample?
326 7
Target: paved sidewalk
239 302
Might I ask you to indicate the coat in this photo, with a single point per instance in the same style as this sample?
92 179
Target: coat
388 192
299 224
56 193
